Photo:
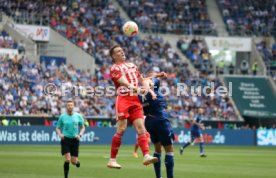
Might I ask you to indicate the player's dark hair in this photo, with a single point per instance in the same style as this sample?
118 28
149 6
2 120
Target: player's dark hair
111 51
149 72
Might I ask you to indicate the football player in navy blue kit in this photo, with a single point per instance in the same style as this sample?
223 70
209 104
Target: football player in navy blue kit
196 132
157 123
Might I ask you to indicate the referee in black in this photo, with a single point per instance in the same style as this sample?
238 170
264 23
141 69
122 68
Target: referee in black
70 128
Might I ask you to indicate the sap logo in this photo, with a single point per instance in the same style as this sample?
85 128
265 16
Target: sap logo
266 137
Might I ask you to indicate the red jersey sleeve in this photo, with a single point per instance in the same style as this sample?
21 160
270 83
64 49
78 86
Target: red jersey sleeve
115 73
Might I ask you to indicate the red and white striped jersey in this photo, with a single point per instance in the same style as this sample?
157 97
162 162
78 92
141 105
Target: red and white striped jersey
129 70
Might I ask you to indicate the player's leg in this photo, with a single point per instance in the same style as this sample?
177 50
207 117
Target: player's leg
150 125
166 136
65 151
136 146
122 115
75 152
143 141
169 160
187 144
201 146
116 143
157 154
137 119
67 159
75 161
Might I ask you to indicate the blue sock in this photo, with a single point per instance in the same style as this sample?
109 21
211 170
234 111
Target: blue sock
157 165
186 144
201 147
169 162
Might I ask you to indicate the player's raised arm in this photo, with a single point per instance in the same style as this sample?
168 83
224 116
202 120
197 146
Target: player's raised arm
147 83
162 75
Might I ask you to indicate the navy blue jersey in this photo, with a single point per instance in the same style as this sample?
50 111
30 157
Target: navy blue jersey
156 107
196 128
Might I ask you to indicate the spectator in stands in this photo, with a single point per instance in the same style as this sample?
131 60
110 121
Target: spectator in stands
188 17
249 17
221 65
231 69
254 68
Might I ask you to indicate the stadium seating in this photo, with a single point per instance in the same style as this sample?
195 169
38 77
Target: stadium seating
248 17
22 89
6 41
197 52
182 17
269 56
94 26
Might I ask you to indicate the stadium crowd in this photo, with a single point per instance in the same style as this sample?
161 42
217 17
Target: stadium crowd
94 26
268 54
22 89
29 11
197 52
249 17
6 41
183 17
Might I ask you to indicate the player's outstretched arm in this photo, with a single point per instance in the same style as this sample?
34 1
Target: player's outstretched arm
163 75
147 83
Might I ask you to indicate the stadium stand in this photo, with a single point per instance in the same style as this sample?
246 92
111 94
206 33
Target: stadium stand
29 11
269 57
94 25
182 17
245 18
197 52
22 89
6 41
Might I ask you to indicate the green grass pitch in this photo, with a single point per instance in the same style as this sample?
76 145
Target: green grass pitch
27 161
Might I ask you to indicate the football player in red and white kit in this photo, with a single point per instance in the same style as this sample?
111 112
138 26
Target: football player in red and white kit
136 146
128 107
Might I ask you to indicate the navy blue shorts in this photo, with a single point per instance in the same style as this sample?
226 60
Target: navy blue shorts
195 134
160 131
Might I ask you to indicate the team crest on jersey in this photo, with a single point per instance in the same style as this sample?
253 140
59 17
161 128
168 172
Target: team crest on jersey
114 75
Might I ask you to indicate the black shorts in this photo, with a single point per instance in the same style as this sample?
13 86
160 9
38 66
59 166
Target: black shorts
70 145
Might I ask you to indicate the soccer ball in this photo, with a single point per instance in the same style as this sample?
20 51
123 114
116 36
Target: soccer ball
130 28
